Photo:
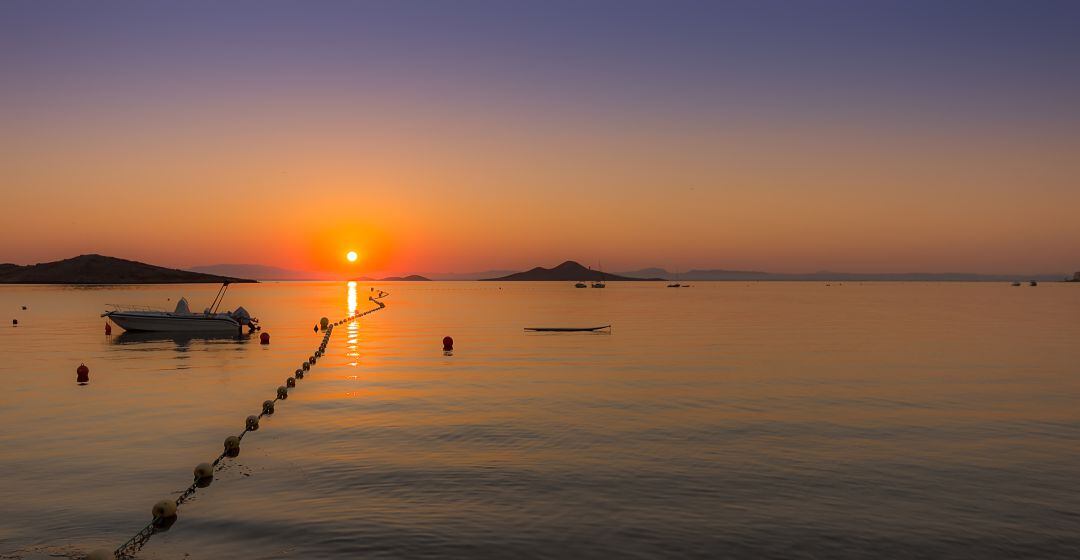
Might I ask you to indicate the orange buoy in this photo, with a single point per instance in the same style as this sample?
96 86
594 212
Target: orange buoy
264 338
108 329
447 343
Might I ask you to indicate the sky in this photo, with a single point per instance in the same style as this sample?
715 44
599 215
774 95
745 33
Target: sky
787 136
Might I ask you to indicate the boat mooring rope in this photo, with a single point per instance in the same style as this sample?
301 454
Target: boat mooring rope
164 512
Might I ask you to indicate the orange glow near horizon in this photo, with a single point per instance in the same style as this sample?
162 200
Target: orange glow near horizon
630 194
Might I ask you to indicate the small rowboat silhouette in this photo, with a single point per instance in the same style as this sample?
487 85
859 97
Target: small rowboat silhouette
566 329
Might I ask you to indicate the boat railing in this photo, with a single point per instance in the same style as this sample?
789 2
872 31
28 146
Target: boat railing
129 307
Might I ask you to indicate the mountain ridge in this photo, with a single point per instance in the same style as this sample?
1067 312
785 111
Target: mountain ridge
566 271
253 271
100 269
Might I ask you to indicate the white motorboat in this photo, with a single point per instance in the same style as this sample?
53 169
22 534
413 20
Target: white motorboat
146 319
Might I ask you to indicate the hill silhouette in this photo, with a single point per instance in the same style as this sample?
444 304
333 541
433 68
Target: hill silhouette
99 269
254 271
568 271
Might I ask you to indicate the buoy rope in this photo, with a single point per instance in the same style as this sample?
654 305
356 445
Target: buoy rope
139 540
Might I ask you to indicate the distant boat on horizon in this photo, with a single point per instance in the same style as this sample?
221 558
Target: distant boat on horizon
599 283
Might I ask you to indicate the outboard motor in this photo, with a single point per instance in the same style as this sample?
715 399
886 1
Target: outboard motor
245 318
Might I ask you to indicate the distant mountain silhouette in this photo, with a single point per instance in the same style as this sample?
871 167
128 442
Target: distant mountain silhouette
652 272
827 275
256 271
568 271
468 275
409 278
99 269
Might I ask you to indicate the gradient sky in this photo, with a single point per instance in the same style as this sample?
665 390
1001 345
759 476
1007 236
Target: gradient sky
456 136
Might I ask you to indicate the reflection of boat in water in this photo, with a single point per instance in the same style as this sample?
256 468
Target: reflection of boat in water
1034 283
182 339
146 319
1015 283
581 285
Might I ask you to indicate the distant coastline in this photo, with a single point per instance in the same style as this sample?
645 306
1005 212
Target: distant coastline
568 271
99 269
573 271
722 275
409 278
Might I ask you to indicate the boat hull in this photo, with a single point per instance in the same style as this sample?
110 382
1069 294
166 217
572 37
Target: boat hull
135 322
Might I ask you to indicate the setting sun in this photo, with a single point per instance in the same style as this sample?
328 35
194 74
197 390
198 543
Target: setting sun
351 256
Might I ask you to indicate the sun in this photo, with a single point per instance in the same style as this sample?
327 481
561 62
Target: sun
351 256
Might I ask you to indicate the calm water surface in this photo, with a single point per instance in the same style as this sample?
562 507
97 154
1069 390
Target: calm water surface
783 420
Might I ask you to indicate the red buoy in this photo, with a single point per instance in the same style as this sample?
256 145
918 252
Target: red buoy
447 343
264 338
82 373
108 329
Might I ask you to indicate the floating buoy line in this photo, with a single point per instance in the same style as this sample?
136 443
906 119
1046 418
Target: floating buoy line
164 512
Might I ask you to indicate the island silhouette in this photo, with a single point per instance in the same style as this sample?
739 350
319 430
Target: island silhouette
569 271
99 269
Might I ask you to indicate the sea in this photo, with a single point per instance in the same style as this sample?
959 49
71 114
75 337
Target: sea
722 420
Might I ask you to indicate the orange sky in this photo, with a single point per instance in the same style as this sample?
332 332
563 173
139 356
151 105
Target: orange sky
450 158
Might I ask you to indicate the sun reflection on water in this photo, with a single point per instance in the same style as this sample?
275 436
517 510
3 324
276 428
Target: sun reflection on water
351 301
353 328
